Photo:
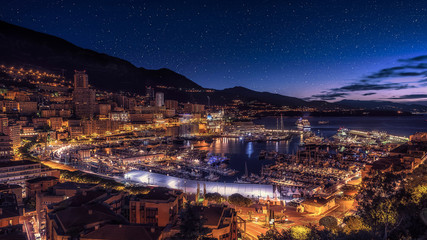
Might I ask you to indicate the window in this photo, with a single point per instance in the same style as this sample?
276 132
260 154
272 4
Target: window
151 214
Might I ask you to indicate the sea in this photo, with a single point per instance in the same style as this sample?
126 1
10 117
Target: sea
243 153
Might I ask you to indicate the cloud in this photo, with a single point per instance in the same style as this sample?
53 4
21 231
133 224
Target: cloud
329 96
415 59
369 87
401 71
410 96
385 79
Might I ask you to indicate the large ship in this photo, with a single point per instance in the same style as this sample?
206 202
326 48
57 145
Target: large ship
303 124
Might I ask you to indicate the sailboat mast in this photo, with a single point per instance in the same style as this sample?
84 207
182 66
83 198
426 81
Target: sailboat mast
281 122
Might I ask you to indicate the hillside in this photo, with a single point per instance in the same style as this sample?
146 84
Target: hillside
382 105
22 47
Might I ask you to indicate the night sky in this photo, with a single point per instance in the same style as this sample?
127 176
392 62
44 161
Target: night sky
326 50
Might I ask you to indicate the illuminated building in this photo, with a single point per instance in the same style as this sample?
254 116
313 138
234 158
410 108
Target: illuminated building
221 221
124 102
81 80
19 171
73 221
149 93
318 205
172 131
169 113
215 122
40 122
4 122
84 212
65 113
160 99
40 184
27 108
9 212
83 96
159 207
10 107
6 153
104 109
123 232
14 189
75 131
418 137
47 113
100 126
55 123
14 132
119 116
171 104
141 117
193 108
187 130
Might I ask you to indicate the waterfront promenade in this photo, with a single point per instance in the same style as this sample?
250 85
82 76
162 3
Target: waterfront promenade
190 186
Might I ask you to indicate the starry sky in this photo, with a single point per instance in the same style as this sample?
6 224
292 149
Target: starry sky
317 50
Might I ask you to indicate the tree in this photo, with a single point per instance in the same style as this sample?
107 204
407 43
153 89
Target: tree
273 234
214 197
239 200
300 232
353 224
191 226
329 222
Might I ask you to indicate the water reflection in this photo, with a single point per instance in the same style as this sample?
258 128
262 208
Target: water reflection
239 152
249 149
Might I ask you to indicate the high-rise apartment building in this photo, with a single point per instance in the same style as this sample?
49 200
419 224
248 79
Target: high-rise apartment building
6 153
160 99
171 104
81 80
83 96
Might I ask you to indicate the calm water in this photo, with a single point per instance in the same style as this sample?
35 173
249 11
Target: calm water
401 126
240 152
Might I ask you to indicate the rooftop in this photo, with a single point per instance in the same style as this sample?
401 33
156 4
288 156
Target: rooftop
74 185
123 232
76 219
12 233
162 194
8 205
9 186
41 179
317 201
82 198
211 214
17 163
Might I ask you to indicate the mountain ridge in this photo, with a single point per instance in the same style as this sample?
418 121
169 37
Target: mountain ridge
382 105
22 46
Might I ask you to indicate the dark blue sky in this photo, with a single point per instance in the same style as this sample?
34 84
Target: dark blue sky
329 49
